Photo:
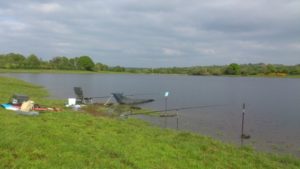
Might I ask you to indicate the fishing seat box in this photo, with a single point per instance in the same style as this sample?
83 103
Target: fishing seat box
18 99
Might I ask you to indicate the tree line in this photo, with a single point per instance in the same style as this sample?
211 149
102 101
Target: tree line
231 69
18 61
246 69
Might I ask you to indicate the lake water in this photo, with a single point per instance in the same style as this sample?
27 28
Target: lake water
272 115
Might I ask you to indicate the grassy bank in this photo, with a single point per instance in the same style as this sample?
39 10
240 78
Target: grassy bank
69 139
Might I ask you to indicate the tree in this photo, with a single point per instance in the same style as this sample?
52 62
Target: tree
101 67
215 70
295 70
12 61
74 63
233 69
268 69
118 69
32 62
60 62
85 63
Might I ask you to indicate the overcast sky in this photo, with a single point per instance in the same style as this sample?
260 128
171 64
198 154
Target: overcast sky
154 33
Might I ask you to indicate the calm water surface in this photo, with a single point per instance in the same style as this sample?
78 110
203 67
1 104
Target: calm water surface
272 105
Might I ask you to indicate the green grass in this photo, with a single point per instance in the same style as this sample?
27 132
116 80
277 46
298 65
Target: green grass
69 139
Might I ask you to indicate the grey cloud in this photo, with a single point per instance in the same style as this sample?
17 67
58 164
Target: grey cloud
154 33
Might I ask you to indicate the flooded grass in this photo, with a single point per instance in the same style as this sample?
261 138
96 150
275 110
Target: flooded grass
73 139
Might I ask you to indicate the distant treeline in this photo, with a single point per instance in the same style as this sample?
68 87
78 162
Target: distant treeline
18 61
236 69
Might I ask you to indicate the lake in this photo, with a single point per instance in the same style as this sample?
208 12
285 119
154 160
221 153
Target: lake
272 115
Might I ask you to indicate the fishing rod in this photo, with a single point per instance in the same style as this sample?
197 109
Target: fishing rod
143 94
136 94
180 108
98 97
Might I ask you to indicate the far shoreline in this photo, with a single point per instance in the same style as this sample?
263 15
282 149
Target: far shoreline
55 71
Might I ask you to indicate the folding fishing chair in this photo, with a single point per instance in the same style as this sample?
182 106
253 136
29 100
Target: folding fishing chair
80 99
